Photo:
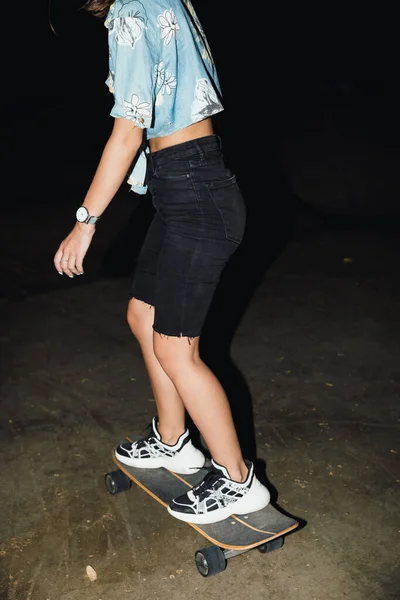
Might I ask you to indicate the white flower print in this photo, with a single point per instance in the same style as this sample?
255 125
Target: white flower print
128 30
165 82
206 102
135 110
159 73
169 26
169 83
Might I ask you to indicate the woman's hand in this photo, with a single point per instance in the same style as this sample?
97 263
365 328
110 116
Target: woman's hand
69 257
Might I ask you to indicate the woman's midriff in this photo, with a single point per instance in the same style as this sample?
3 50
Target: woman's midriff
197 130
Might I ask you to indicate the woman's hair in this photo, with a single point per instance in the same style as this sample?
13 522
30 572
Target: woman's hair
98 8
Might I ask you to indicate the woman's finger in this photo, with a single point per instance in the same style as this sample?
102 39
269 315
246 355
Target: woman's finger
64 262
57 261
79 265
72 265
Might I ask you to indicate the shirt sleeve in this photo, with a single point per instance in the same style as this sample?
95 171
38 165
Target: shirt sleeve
133 55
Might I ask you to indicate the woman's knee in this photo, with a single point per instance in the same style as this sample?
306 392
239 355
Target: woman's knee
174 353
140 317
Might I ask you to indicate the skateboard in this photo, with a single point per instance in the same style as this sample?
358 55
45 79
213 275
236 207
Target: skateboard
264 529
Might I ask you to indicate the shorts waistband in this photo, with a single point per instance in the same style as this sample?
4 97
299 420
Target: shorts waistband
185 149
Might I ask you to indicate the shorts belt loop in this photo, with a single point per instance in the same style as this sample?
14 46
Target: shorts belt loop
199 150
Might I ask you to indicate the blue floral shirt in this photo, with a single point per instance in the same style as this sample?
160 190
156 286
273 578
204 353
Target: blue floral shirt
161 71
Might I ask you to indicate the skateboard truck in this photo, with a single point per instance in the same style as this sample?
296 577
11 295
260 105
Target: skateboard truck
213 559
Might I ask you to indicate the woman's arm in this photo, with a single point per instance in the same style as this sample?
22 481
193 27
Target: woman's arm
118 154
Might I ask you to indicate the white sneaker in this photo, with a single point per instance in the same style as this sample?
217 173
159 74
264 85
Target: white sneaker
151 453
217 497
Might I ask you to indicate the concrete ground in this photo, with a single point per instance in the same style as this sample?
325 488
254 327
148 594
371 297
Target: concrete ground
313 377
303 332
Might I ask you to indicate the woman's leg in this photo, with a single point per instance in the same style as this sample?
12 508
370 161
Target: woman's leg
170 408
199 225
176 371
204 399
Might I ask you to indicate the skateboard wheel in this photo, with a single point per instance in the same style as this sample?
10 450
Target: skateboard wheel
117 482
210 561
271 546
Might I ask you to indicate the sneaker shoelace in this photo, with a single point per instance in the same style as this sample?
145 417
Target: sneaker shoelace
143 442
206 486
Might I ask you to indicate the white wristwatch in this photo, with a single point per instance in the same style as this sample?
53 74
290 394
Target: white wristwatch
82 216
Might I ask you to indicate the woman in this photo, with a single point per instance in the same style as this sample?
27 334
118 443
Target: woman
166 90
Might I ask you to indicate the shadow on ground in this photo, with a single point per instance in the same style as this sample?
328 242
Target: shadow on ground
308 354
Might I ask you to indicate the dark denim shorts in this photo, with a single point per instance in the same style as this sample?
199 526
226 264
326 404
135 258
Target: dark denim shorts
199 223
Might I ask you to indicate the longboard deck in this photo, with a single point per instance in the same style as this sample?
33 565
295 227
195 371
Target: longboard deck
238 532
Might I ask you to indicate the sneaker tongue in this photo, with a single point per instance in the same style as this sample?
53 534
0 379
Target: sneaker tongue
220 469
155 430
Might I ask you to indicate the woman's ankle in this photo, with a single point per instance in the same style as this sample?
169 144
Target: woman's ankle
170 435
237 470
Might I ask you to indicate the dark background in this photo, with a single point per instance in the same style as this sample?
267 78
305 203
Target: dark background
311 127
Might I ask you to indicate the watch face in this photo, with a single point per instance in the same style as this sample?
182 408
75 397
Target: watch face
81 214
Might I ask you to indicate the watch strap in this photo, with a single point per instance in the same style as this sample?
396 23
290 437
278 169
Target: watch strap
92 220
